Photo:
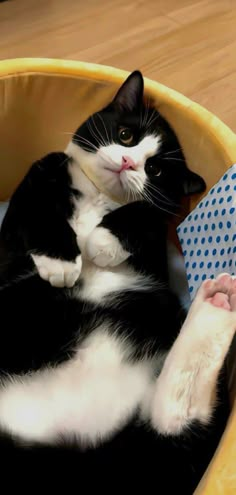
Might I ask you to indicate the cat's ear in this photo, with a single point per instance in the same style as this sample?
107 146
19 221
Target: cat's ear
130 95
193 183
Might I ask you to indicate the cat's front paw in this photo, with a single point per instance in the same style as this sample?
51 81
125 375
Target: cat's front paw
57 272
105 249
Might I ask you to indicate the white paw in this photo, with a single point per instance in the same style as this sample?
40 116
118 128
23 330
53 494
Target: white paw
57 272
104 249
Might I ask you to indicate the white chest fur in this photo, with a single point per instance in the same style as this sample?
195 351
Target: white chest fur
89 211
97 281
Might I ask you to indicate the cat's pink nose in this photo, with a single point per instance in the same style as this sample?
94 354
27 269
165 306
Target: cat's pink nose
127 163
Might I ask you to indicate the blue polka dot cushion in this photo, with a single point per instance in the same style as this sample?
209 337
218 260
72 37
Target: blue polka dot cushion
208 234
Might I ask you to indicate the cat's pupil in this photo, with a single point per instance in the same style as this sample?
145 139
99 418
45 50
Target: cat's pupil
125 135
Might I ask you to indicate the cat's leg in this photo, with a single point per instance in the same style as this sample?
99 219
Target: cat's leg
36 223
186 389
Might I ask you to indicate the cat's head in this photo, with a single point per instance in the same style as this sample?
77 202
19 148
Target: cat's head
130 152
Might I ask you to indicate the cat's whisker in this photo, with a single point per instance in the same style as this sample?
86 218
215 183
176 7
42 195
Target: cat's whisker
132 187
151 122
87 149
62 163
84 140
132 195
99 133
105 129
174 159
143 121
147 198
67 133
148 108
154 116
112 140
154 198
92 128
136 182
147 132
173 151
157 191
127 194
87 142
94 133
158 199
156 204
151 116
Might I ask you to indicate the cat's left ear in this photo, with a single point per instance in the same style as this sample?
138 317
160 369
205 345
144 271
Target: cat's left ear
130 95
193 183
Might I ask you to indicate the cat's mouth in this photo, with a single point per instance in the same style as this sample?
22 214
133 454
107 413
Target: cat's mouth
119 170
128 179
126 164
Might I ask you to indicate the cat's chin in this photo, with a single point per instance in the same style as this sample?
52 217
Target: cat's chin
109 183
105 178
121 186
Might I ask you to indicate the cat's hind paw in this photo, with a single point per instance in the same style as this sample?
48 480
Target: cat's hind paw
59 273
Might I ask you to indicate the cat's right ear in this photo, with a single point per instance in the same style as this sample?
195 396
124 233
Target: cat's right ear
130 95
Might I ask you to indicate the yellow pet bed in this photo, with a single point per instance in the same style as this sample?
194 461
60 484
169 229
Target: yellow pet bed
42 101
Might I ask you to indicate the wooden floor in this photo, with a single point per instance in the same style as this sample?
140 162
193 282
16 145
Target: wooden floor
189 45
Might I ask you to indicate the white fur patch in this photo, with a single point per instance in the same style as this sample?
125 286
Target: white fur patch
104 249
58 272
145 149
92 395
99 282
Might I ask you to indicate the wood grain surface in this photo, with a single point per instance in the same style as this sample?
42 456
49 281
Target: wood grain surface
189 45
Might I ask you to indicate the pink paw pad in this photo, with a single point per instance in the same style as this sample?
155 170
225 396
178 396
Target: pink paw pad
220 300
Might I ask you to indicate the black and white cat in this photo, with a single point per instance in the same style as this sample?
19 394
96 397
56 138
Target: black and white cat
93 364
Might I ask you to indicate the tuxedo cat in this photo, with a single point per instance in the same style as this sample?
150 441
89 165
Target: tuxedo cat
95 372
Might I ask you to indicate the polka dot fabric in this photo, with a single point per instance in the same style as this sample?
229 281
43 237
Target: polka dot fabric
208 234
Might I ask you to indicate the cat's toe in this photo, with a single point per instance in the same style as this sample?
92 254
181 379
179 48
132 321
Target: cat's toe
105 249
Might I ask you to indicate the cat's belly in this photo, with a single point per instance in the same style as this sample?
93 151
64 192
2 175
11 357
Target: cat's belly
98 282
91 396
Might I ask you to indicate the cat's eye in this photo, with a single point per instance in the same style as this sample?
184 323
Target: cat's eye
153 169
125 136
